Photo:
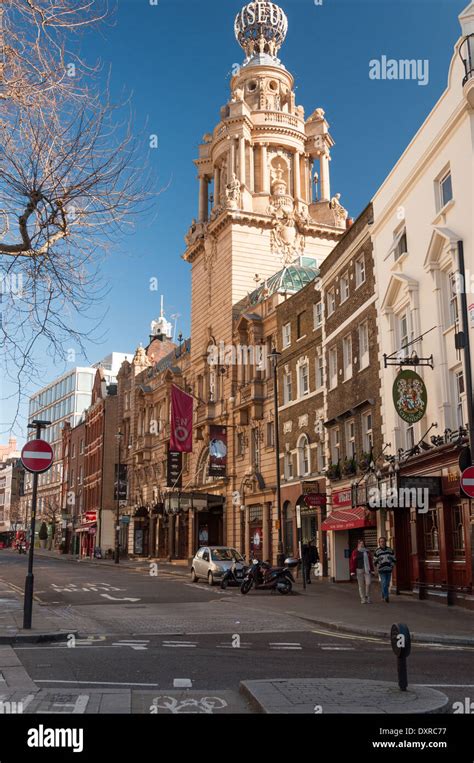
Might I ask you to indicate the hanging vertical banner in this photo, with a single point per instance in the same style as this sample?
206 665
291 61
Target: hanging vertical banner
217 451
175 469
181 421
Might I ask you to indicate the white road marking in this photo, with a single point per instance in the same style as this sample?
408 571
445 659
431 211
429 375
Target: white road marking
78 707
339 648
285 645
182 683
133 644
115 598
180 644
89 683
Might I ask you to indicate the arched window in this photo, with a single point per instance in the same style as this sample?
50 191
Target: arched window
304 459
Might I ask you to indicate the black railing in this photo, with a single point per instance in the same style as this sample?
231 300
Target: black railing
466 51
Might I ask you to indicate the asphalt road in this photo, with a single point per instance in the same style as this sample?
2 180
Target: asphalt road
162 632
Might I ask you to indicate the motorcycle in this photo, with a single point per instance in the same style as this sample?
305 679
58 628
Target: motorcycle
21 546
262 575
235 574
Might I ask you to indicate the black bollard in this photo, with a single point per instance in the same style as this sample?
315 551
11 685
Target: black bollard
401 645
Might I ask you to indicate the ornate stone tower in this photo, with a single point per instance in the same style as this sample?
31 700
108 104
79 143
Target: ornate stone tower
263 204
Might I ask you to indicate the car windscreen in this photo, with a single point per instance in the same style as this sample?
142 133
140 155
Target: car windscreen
225 554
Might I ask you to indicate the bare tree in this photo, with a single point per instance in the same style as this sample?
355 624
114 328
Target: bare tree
72 179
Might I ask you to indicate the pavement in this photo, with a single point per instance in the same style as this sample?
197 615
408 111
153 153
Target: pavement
341 695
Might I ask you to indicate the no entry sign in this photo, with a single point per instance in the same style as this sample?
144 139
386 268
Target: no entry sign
467 481
37 456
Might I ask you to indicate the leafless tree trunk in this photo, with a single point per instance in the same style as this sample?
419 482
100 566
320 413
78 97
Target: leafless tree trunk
73 178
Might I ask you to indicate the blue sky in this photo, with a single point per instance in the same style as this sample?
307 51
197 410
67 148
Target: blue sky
176 59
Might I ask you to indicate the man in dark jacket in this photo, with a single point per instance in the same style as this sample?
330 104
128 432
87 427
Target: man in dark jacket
384 560
310 557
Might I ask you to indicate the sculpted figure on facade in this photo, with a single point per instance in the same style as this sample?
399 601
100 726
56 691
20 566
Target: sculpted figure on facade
233 194
340 213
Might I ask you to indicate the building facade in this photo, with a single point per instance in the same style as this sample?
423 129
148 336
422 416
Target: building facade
423 230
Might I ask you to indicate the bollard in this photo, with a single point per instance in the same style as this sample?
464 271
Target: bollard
401 645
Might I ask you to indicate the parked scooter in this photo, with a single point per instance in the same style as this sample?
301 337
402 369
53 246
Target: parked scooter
262 575
235 574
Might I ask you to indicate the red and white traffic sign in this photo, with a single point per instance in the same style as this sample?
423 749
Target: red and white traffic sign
37 456
467 481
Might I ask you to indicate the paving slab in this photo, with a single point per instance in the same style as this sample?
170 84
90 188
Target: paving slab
341 696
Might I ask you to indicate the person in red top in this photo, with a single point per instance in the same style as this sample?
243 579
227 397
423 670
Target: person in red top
362 566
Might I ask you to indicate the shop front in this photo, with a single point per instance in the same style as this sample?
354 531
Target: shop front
346 525
188 521
310 498
86 533
434 536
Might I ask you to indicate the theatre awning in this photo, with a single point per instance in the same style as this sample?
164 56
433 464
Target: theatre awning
348 519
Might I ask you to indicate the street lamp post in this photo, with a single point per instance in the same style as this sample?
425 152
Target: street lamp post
117 510
275 356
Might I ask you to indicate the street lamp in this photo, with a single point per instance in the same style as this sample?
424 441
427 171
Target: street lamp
119 436
275 357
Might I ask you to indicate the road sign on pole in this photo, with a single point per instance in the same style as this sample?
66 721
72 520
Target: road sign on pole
37 457
467 481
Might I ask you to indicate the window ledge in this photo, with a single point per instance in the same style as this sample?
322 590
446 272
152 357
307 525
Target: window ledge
399 261
301 337
441 215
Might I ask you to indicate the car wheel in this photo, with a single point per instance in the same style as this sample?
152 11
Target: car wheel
194 577
210 579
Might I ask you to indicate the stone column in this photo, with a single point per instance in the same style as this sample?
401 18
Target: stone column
203 199
267 531
265 174
296 175
217 190
231 159
252 170
324 189
242 160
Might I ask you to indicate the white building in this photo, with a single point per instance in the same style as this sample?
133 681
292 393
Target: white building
424 214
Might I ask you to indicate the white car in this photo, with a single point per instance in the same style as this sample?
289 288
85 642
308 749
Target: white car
211 562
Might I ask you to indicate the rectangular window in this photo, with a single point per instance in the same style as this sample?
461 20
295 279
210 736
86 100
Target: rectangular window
286 335
303 379
360 272
319 369
81 447
347 357
367 438
405 335
350 439
270 434
453 298
459 543
331 301
287 388
317 315
459 391
332 356
288 466
364 355
299 325
344 287
445 189
334 445
410 438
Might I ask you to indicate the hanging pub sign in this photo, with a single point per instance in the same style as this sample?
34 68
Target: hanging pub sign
175 469
217 451
410 396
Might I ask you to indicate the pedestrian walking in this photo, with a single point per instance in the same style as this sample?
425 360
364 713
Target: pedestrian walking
310 556
362 566
384 560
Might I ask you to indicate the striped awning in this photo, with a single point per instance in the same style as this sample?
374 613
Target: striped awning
349 519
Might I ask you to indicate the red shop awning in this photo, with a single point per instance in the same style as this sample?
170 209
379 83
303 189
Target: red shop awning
348 519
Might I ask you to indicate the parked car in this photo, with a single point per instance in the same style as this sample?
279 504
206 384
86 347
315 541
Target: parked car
212 562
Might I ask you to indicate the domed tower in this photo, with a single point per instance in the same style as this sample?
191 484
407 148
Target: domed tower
259 209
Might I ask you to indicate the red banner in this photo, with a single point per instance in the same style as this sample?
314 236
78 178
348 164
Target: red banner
181 421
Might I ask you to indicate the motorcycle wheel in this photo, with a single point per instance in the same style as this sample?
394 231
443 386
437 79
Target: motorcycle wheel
224 584
246 586
284 587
